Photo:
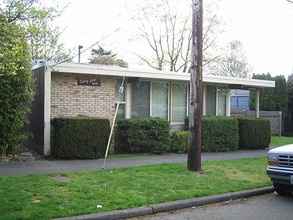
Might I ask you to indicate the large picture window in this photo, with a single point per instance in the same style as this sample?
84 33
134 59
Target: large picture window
179 102
168 100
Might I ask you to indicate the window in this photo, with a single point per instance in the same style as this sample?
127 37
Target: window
152 99
140 105
179 102
159 99
211 100
215 100
221 100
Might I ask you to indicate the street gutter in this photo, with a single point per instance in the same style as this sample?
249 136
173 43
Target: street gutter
171 206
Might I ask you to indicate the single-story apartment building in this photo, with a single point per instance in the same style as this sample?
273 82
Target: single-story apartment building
74 89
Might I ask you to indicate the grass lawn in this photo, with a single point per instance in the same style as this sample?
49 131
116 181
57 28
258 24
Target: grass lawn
42 197
279 141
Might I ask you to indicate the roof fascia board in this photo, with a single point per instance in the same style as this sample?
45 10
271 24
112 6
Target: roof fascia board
117 71
154 74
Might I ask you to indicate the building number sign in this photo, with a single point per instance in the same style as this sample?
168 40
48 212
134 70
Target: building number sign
89 82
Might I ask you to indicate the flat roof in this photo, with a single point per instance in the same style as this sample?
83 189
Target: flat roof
106 70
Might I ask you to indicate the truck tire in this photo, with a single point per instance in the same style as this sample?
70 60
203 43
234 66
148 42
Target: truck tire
282 190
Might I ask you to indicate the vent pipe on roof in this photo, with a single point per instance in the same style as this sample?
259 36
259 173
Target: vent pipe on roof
79 49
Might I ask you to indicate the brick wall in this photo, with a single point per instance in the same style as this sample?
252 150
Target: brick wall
70 99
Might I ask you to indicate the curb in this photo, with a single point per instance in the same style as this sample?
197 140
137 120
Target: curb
171 206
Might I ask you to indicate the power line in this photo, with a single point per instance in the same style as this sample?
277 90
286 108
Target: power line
82 51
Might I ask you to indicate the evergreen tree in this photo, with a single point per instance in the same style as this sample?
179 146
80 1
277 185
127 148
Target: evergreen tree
16 91
106 57
271 99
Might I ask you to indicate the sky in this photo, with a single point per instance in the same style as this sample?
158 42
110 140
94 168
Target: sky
264 28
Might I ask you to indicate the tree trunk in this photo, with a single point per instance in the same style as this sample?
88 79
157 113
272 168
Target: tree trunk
195 107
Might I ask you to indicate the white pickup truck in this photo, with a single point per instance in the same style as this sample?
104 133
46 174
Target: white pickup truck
280 169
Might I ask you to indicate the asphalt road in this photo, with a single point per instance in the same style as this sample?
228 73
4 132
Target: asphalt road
265 207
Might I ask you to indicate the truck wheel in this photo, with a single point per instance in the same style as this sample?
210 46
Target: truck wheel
282 190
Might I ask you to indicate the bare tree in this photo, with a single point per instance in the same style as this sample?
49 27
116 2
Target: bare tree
233 62
165 25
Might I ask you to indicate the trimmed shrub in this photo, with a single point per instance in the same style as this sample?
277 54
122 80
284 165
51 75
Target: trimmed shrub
219 134
179 142
254 133
147 135
80 137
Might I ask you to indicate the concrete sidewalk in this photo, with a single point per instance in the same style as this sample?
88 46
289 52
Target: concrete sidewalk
60 166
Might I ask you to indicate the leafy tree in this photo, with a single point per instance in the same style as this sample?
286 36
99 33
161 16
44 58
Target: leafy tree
271 99
102 56
37 19
43 36
15 84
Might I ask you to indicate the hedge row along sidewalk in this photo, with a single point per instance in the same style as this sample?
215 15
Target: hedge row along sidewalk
77 137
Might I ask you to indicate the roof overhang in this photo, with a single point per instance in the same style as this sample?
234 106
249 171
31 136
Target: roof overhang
104 70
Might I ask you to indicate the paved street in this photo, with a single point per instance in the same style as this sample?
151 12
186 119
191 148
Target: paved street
265 207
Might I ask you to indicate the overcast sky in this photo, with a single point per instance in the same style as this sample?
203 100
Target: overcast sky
263 26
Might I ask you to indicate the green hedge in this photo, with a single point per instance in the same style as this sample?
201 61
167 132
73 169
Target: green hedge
219 134
79 137
254 133
147 135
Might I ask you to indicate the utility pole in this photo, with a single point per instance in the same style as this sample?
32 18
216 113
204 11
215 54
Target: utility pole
195 107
